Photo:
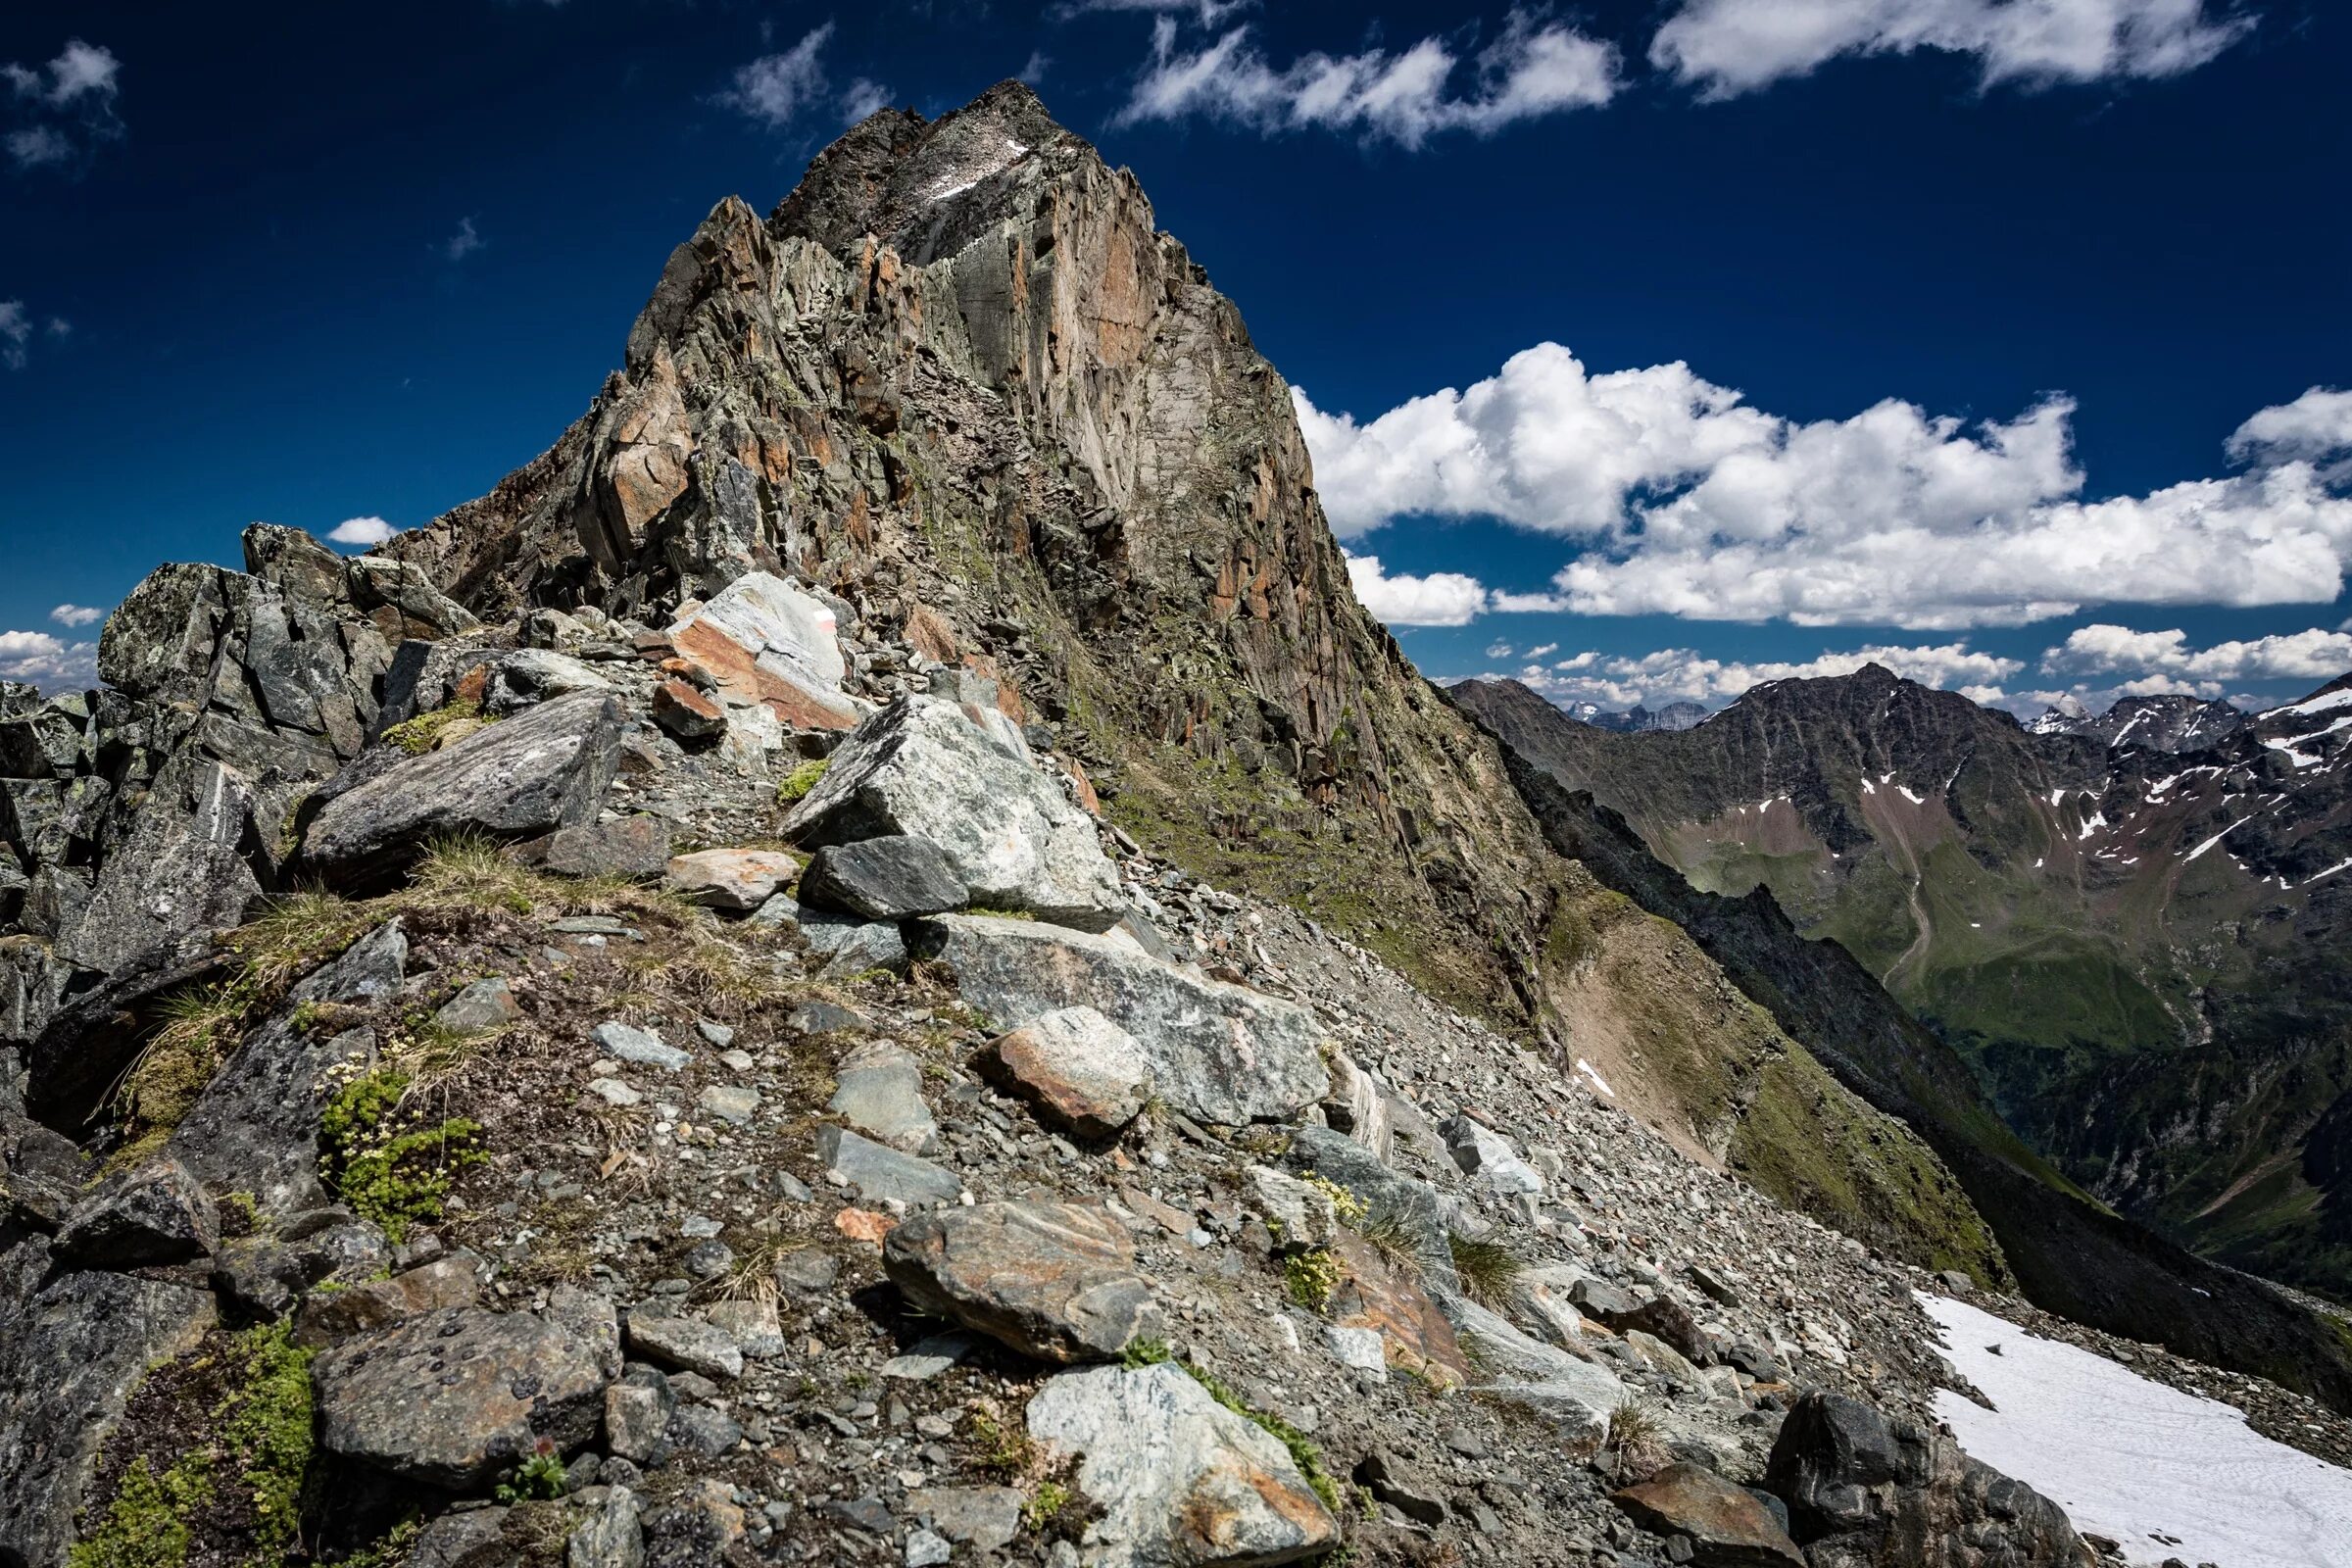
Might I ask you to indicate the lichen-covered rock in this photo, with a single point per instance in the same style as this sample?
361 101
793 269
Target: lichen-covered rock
1056 1281
452 1397
879 1091
545 768
157 1213
1182 1480
730 879
1221 1052
921 768
888 878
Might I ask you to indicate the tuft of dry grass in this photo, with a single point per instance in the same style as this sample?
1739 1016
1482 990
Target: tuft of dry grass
1487 1270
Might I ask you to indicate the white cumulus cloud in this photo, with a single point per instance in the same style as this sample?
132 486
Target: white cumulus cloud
2152 662
1533 68
774 88
362 531
1441 598
1686 500
47 661
76 615
1727 47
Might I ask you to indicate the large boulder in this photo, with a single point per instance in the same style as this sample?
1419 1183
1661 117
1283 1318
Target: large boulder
1182 1480
1221 1052
545 768
1867 1491
882 879
155 1214
451 1399
921 767
71 1355
1726 1525
1056 1281
765 642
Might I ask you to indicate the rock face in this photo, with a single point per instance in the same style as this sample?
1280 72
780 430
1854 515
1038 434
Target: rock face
1864 1492
1186 1480
1221 1052
1078 1069
450 1399
1055 1281
69 1357
921 768
524 778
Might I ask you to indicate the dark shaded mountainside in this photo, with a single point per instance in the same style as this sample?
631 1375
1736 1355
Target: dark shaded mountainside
2132 928
961 388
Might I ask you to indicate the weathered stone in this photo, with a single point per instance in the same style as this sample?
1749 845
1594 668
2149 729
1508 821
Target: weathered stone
545 768
983 1518
1221 1052
633 847
919 766
458 1537
926 1548
637 1412
1661 1316
1182 1478
158 1213
1355 1105
588 1316
179 871
1078 1070
697 1527
646 1048
1866 1490
880 1174
1301 1214
879 1091
699 1429
1602 1302
609 1533
1542 1299
733 1104
69 1357
481 1006
683 1341
1414 1206
1056 1281
753 1324
1576 1394
1388 1482
686 712
1486 1156
327 1316
730 879
764 641
531 675
927 1358
850 946
888 878
452 1397
1727 1527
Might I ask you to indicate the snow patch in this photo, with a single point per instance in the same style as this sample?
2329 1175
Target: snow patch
1598 1082
1904 791
2217 837
2098 820
2324 703
2127 1457
2331 872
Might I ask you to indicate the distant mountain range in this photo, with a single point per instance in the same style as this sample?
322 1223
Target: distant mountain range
2131 925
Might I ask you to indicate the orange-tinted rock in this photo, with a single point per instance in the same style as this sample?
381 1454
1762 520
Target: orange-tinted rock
1372 1294
1726 1526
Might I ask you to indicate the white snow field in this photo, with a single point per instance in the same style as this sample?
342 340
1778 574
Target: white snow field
2131 1459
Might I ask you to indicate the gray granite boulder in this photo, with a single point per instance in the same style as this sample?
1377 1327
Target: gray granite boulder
1055 1281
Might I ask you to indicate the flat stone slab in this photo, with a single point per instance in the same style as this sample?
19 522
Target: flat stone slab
880 1174
1727 1527
686 1342
646 1048
730 879
1055 1281
880 1093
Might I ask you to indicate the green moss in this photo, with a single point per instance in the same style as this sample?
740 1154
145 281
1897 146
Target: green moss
146 1525
416 736
387 1164
801 780
268 1429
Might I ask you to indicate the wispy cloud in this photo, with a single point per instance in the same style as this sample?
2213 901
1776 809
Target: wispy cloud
64 110
1727 47
1209 13
16 332
1532 68
464 242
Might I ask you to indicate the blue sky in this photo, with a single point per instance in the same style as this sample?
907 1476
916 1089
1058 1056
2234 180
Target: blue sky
1691 341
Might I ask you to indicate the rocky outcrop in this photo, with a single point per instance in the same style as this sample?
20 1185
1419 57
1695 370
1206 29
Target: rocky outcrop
521 778
924 769
1864 1491
1220 1051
